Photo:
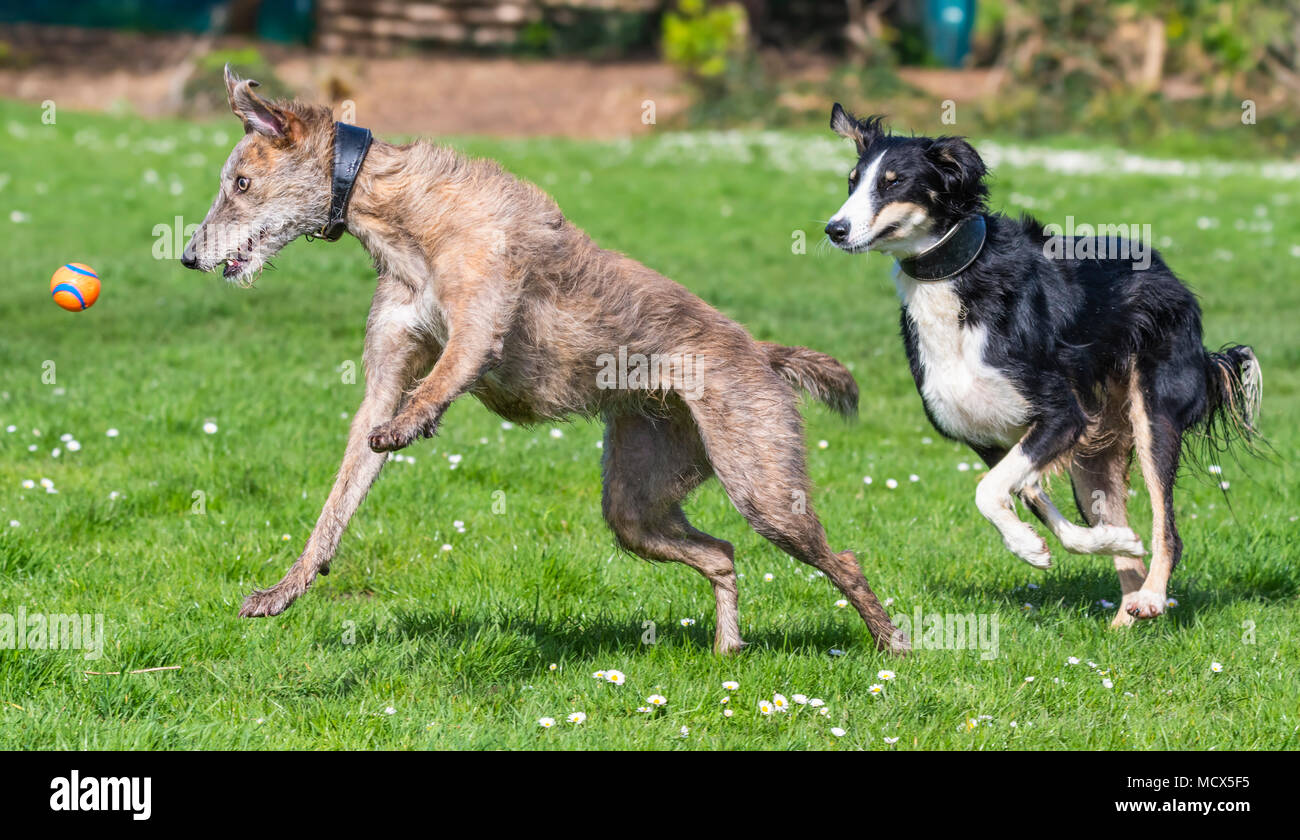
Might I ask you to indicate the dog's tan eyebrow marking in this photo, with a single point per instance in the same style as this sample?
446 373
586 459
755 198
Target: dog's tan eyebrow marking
891 175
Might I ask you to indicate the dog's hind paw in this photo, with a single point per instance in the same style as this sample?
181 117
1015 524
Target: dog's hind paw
1144 604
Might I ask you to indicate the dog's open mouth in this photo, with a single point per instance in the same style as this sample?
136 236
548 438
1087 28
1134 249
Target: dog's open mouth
234 266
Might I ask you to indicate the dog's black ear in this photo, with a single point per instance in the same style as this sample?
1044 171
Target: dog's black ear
962 171
257 114
862 132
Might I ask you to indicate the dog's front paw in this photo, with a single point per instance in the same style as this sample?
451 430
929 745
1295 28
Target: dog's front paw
1031 548
1144 604
1125 542
266 602
388 438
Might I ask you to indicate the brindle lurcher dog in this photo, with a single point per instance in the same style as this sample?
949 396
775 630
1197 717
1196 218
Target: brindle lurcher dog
482 278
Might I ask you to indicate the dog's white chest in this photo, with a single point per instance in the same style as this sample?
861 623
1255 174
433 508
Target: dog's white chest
968 398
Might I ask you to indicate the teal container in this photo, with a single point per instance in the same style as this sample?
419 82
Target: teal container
948 25
286 21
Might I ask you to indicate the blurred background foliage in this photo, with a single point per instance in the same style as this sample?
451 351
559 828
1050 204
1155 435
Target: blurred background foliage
1184 71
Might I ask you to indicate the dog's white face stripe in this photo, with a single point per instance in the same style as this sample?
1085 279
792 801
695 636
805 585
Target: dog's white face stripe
860 209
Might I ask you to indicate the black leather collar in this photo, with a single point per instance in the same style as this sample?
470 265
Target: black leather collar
350 146
949 256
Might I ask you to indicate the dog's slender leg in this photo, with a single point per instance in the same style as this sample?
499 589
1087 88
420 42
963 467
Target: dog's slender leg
1118 540
1159 442
1101 493
474 346
649 466
1046 440
391 358
756 449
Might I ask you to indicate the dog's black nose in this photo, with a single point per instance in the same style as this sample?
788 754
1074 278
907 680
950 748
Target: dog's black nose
189 259
838 231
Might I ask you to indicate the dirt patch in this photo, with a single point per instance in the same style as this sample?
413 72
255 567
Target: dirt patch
429 95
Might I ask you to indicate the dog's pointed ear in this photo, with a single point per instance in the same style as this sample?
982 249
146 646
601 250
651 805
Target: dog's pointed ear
256 113
963 172
862 132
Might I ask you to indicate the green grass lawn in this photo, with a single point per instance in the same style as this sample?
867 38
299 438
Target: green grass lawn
406 645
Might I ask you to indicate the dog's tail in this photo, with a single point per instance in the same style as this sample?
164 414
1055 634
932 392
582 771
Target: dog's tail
823 377
1235 386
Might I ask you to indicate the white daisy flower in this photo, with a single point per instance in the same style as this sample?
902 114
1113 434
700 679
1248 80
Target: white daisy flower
889 740
823 711
1106 683
780 703
866 479
446 546
875 689
687 622
616 677
914 478
1073 660
111 433
727 712
599 675
1029 679
885 675
210 428
74 446
684 731
657 700
731 685
816 702
47 483
28 484
769 577
837 732
1216 667
554 667
891 484
14 523
577 718
390 711
822 444
546 722
507 425
765 707
841 603
962 467
556 433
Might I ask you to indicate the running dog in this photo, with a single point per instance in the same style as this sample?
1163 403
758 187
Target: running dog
485 288
1041 361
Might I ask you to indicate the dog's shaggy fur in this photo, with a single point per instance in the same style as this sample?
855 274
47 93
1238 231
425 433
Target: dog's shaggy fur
483 279
1042 361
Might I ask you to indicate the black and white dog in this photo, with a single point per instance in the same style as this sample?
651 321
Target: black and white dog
1039 361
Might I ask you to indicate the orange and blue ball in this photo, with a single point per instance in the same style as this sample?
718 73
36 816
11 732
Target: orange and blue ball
75 287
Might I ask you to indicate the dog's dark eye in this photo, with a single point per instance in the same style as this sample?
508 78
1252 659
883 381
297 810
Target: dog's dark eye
242 183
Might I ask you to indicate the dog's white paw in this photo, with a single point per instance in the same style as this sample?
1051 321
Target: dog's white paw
1123 541
1144 604
1030 547
1122 619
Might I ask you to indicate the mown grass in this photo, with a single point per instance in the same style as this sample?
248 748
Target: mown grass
459 644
